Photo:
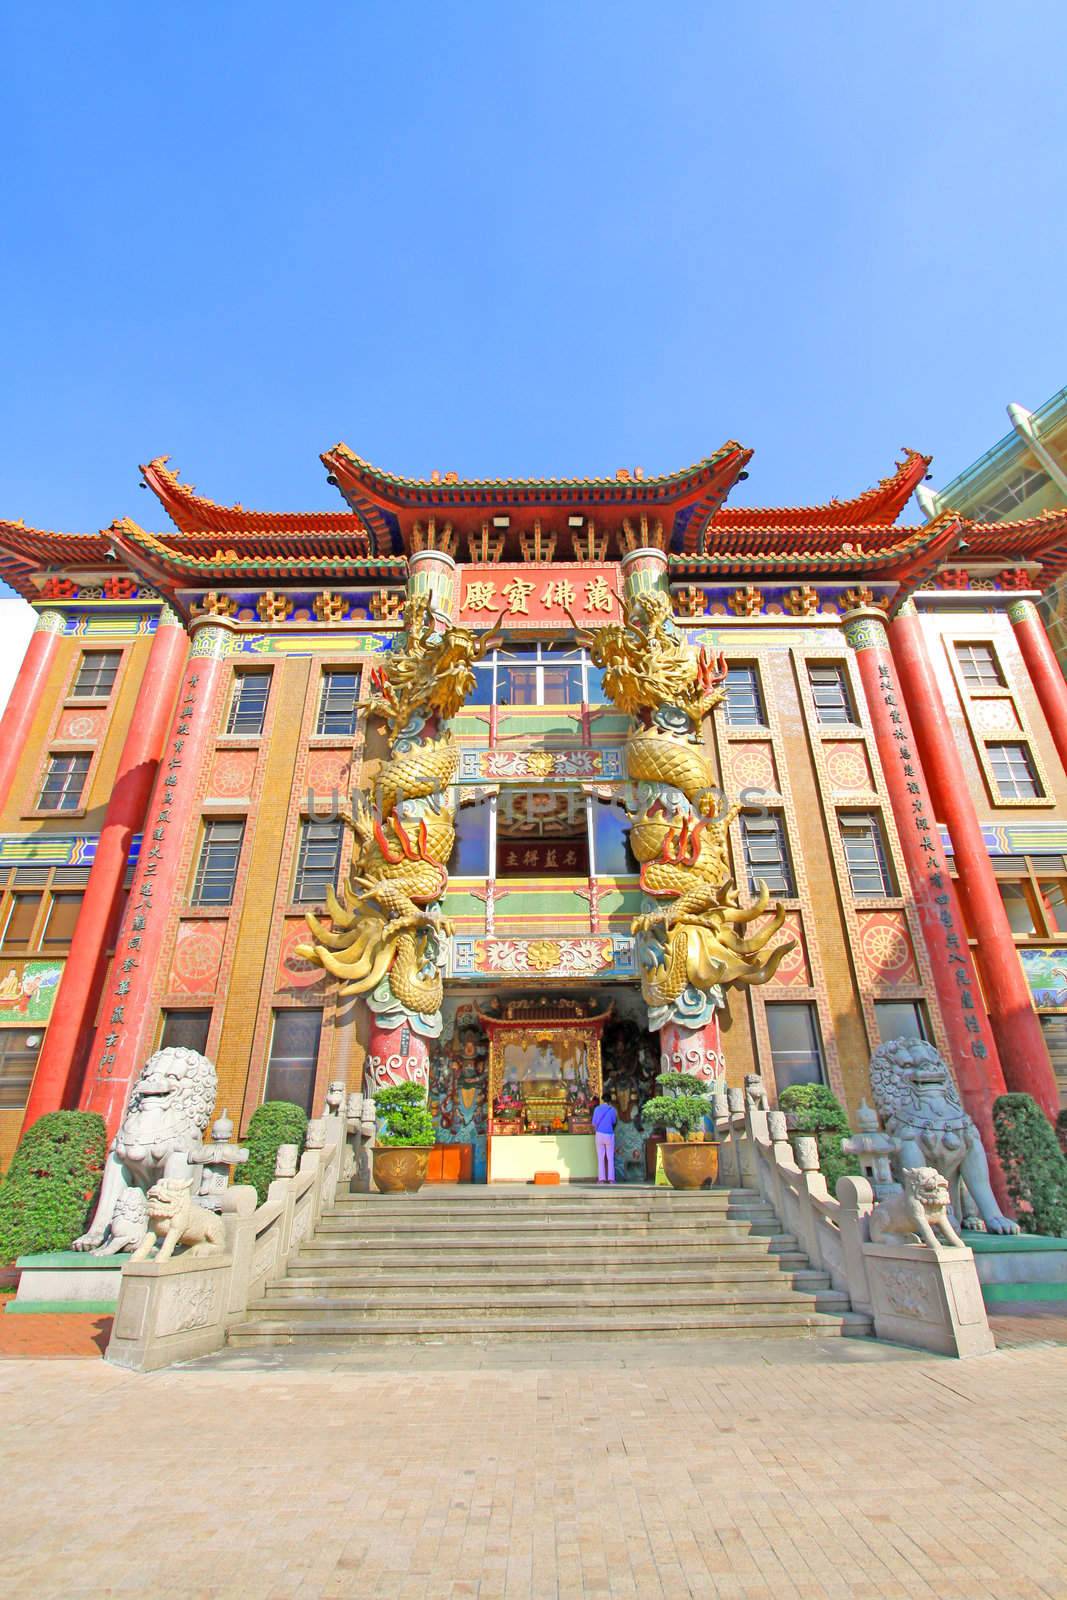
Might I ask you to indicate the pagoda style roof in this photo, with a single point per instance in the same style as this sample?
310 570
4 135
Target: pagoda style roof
192 513
880 506
1042 538
903 554
169 562
390 505
24 551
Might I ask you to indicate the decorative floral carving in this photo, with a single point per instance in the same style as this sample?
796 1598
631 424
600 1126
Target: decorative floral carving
746 602
803 602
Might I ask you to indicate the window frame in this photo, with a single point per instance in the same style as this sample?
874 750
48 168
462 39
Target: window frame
233 709
57 756
758 702
169 1013
960 646
922 1016
887 878
95 696
323 710
847 704
202 867
1023 746
10 1031
277 1013
776 1008
767 822
300 867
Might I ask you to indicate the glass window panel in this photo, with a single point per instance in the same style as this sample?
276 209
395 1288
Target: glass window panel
1055 1031
337 704
96 674
64 782
744 702
1016 900
62 919
796 1049
216 870
767 854
516 686
901 1019
187 1029
594 685
21 916
1054 901
318 861
19 1049
482 693
562 683
1014 771
470 855
979 667
868 870
248 704
612 830
294 1051
549 855
830 692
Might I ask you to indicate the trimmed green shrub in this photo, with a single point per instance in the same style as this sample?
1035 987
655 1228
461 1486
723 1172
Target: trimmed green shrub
50 1190
274 1123
815 1109
678 1107
403 1114
1034 1166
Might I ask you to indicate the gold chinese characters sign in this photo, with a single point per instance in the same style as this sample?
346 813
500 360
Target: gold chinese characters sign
525 596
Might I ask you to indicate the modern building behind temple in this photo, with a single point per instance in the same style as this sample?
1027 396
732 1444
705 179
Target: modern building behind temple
180 753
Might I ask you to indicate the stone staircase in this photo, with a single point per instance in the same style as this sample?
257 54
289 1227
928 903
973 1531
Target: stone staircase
520 1264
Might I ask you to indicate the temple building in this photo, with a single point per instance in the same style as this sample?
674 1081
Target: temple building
571 777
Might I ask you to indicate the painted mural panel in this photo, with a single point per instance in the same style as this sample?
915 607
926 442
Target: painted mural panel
1046 973
29 995
885 948
197 957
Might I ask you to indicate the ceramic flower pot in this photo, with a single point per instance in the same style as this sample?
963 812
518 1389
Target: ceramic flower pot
400 1168
691 1163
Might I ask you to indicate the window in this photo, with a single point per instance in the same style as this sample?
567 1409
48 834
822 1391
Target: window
979 667
248 704
21 916
185 1029
96 675
1009 495
1054 902
294 1052
19 1049
1017 904
901 1019
62 919
470 856
543 676
829 690
318 860
216 870
796 1049
612 839
337 704
868 870
1013 768
767 854
64 782
744 704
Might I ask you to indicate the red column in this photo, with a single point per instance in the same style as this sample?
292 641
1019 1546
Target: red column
697 1051
120 1044
395 1055
1044 670
62 1060
974 1052
1020 1042
26 694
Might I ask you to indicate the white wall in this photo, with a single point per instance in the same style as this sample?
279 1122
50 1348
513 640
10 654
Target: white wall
17 621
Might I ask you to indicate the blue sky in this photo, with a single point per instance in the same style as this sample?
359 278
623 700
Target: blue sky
547 239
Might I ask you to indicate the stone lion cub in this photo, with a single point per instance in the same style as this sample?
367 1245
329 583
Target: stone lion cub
174 1219
911 1217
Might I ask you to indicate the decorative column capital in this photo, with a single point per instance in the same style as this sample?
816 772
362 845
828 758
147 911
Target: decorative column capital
865 629
1023 611
50 622
168 617
212 636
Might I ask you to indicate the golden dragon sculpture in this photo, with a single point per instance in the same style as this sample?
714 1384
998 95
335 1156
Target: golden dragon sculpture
385 937
693 938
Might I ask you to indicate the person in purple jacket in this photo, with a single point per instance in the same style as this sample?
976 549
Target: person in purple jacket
604 1119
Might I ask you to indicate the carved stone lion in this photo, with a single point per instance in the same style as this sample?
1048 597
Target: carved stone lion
168 1109
920 1105
129 1223
911 1217
173 1219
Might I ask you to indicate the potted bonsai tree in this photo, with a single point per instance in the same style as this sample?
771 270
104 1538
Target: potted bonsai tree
689 1160
405 1138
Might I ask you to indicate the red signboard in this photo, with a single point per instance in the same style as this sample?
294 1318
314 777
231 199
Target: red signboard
536 596
543 857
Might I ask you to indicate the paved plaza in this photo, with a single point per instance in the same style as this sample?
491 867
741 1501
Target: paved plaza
758 1471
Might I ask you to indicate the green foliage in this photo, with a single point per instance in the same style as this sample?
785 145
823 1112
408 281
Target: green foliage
683 1112
681 1083
51 1186
402 1111
1034 1166
814 1109
274 1123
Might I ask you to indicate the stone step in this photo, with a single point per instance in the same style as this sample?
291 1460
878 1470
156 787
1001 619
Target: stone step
504 1278
544 1244
609 1202
386 1303
315 1255
562 1230
727 1324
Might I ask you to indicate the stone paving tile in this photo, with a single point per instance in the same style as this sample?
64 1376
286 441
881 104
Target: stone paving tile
48 1335
785 1477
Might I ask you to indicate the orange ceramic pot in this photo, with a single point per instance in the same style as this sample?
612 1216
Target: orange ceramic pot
400 1168
690 1164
